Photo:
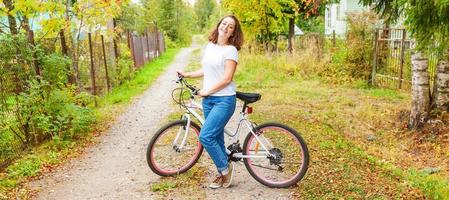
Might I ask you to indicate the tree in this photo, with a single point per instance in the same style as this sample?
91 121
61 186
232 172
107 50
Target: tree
133 18
266 20
203 11
9 7
428 21
298 8
175 18
263 21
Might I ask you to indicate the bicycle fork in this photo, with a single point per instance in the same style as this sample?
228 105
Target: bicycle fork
184 129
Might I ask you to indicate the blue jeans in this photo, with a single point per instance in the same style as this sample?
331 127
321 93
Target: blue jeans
217 111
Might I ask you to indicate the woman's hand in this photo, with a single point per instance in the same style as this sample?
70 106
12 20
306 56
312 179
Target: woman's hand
193 74
203 93
182 73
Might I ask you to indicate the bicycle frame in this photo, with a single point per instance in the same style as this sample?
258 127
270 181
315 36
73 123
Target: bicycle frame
192 108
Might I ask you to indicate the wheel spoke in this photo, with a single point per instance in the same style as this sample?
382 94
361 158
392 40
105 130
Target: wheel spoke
166 159
286 161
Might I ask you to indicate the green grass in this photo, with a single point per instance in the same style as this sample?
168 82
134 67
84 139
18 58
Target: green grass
163 186
53 152
334 120
141 81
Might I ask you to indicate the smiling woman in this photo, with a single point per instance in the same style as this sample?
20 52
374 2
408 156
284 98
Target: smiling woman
219 63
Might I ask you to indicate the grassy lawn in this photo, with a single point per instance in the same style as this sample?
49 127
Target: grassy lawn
48 155
357 137
358 145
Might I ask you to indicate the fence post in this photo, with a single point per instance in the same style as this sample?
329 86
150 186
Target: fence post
158 51
114 41
92 67
333 38
402 58
105 63
131 47
376 49
147 53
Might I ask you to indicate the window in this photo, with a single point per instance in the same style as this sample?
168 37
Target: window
338 12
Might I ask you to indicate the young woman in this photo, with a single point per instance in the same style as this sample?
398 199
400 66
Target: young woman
219 63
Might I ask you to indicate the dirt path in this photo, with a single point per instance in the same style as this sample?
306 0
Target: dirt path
116 167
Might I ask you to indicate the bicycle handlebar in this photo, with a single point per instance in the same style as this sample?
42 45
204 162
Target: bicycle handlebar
184 82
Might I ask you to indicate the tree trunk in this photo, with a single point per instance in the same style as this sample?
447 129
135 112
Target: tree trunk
31 42
442 84
65 52
114 40
11 19
291 34
420 91
75 56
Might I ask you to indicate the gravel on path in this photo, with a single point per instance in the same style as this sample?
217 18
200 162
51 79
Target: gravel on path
116 168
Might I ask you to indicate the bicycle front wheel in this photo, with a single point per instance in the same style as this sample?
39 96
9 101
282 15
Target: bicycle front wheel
278 157
174 148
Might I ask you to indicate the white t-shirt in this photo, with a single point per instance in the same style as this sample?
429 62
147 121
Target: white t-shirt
213 64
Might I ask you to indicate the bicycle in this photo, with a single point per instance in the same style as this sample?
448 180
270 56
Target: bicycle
269 149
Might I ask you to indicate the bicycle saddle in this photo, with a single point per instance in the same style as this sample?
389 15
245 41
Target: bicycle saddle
248 97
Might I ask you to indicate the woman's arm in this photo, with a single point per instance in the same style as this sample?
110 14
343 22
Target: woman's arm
194 74
230 66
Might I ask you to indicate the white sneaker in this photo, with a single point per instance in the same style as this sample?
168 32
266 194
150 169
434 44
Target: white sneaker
217 182
227 179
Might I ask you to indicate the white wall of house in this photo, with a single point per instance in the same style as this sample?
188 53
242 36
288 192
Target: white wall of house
335 15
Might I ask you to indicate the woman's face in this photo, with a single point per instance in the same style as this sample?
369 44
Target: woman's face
226 27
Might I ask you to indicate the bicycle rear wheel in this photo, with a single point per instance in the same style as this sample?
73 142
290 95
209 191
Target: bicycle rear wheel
285 160
165 154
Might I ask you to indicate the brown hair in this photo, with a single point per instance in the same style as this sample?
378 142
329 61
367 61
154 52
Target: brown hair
236 38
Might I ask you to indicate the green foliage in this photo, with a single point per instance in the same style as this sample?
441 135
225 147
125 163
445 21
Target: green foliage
170 43
359 41
7 149
203 11
140 81
54 69
51 112
162 186
124 70
428 21
384 93
133 18
71 119
434 186
313 24
265 21
95 12
175 19
27 167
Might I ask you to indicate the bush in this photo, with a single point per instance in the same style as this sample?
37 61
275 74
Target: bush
170 43
54 69
359 43
7 149
124 70
50 112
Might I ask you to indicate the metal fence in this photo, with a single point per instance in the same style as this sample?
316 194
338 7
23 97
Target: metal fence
105 61
391 60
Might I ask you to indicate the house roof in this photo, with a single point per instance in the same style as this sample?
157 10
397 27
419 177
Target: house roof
298 31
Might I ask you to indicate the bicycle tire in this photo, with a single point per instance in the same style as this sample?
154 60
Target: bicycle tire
297 144
182 162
